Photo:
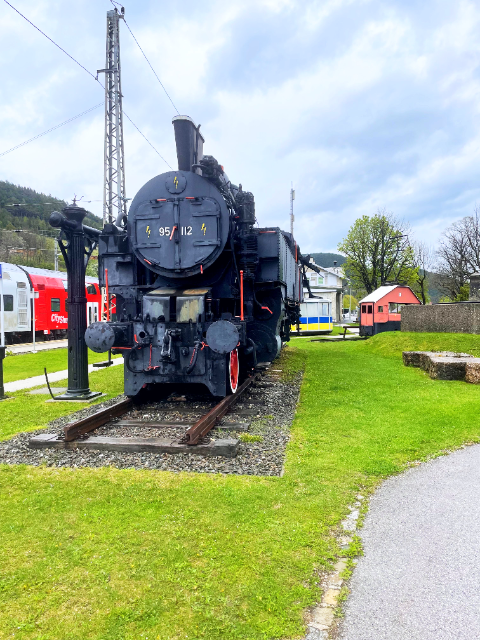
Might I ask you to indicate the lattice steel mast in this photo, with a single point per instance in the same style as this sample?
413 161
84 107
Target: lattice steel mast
114 199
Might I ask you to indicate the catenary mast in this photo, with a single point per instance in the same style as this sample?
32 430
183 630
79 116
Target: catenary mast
114 199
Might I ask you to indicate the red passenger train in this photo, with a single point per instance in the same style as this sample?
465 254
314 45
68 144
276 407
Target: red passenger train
25 288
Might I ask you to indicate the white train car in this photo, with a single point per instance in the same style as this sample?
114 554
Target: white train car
29 288
315 317
16 299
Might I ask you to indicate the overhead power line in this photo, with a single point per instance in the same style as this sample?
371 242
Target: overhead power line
150 65
128 118
52 41
4 153
81 114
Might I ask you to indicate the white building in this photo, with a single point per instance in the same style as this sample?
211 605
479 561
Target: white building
327 284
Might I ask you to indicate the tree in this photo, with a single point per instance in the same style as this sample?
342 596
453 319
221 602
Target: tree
459 255
423 259
378 250
349 302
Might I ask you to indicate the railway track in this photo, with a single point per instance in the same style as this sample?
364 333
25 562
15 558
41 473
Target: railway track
178 436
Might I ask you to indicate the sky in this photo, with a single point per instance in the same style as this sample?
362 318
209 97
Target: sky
361 104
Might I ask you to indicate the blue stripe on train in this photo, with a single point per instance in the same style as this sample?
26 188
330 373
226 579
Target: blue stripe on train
313 320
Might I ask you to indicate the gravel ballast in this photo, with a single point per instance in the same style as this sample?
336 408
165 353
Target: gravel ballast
268 408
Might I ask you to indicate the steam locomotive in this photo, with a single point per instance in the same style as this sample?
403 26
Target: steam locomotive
202 295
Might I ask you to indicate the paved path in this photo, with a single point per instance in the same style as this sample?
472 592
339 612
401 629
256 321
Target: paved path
27 347
420 576
28 383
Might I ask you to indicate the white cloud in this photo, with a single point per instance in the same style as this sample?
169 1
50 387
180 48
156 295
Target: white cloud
363 104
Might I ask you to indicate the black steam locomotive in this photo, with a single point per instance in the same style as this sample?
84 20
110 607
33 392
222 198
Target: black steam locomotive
202 295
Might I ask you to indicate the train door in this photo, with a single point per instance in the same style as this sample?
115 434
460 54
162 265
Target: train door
22 308
92 312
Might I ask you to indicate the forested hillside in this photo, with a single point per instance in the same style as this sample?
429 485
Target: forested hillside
327 259
25 235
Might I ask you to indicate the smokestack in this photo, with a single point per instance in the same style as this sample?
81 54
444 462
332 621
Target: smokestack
189 143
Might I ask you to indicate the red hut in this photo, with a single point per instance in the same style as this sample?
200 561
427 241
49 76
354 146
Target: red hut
381 310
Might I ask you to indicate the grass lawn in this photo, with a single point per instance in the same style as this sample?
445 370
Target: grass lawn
111 554
25 412
27 365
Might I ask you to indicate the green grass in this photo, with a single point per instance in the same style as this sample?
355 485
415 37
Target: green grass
25 412
27 365
107 554
392 344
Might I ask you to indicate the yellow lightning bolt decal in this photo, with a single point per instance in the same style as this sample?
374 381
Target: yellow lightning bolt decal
147 230
175 182
204 228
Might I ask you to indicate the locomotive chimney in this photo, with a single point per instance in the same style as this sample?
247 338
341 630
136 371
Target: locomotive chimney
189 143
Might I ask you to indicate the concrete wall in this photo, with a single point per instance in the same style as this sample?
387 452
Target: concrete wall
460 317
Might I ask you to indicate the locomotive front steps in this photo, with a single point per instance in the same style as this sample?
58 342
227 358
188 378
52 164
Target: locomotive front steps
445 365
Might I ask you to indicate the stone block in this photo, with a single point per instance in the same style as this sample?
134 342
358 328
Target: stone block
331 597
472 372
323 616
449 368
411 358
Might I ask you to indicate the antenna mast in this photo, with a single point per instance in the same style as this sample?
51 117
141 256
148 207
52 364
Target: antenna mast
292 198
114 200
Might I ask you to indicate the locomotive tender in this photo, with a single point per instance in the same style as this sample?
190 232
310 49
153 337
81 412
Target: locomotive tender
202 295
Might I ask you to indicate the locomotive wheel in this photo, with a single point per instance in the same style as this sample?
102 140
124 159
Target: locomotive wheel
233 375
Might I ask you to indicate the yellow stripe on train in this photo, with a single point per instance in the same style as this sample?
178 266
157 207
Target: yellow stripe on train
321 326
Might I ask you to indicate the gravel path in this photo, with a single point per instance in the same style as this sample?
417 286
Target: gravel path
268 409
419 577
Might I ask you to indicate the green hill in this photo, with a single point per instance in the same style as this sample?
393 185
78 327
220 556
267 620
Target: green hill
26 237
327 259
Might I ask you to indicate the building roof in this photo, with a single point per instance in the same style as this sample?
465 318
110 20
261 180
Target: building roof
379 293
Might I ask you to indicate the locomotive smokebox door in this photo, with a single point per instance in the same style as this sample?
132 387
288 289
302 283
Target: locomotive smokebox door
222 336
178 224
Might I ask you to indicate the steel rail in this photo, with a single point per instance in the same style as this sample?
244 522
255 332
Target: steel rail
192 436
90 423
200 429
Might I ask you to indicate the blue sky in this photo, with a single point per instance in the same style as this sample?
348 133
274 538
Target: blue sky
363 104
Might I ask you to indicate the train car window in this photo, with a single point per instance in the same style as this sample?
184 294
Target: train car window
91 289
55 304
369 309
380 309
364 308
8 303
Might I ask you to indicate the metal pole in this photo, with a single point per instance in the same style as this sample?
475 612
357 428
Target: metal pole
33 319
2 308
74 254
56 255
292 198
114 200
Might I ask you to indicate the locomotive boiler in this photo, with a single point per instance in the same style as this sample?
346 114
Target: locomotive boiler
202 294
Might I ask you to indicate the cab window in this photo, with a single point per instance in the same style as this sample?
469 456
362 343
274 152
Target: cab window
8 303
91 289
